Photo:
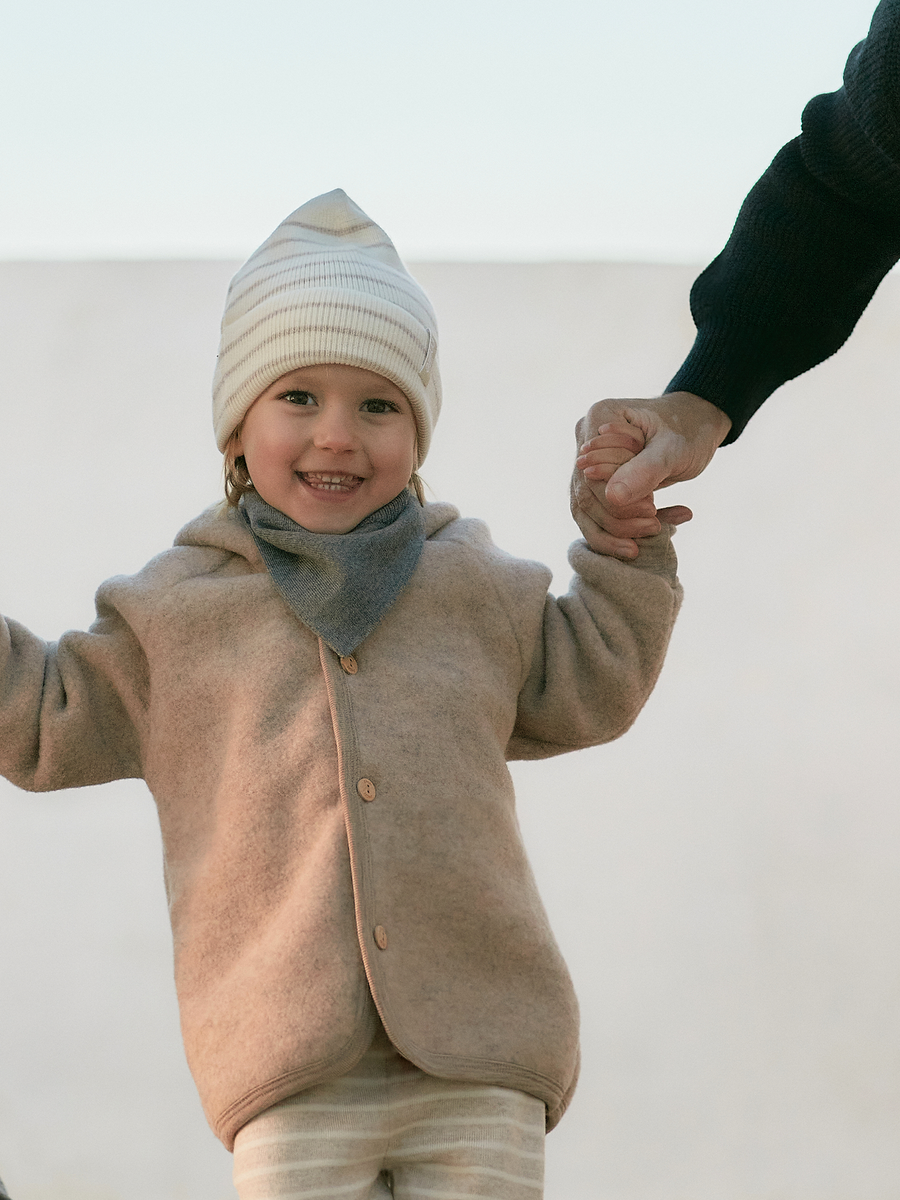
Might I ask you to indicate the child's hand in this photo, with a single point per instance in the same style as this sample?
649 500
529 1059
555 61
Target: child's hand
598 461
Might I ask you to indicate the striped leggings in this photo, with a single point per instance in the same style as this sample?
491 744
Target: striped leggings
388 1130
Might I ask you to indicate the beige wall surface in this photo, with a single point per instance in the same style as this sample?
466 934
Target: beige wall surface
725 880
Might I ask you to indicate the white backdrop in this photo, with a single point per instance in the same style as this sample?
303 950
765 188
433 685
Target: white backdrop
480 129
725 880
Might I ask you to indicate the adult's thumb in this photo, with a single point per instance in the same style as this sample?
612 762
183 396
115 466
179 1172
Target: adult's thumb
637 478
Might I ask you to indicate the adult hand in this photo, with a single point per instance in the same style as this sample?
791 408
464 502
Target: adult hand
675 436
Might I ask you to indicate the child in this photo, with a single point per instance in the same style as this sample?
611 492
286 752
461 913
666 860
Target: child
321 683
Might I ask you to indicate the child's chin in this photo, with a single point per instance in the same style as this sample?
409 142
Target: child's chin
327 522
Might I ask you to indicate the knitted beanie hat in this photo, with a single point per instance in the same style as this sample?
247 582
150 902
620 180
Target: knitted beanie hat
326 287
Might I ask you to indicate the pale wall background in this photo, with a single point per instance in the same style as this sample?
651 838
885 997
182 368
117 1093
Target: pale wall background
725 880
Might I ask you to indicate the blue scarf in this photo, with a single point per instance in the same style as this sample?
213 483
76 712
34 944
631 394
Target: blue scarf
340 584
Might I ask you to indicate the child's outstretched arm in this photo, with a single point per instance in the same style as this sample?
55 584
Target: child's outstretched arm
70 710
599 458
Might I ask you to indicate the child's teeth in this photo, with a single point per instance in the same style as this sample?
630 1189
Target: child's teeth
331 483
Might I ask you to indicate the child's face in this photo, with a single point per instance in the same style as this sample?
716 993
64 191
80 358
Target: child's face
328 445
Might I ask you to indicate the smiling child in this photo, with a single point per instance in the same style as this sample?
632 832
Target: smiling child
321 683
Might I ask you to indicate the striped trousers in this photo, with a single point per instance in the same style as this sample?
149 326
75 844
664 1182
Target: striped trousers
386 1130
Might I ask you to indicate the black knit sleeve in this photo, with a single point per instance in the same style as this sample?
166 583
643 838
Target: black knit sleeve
812 241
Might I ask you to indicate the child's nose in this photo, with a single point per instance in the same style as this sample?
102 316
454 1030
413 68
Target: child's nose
335 430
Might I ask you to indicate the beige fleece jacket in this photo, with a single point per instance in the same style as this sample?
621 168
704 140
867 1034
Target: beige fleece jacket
333 837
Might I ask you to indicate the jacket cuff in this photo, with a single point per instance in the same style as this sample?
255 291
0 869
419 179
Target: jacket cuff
656 555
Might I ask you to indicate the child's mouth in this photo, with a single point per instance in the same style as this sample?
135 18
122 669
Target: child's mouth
322 481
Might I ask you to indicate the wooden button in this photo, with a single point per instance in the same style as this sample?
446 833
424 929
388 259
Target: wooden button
349 664
381 937
366 789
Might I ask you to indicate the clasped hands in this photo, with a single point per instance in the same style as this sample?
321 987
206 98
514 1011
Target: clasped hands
627 449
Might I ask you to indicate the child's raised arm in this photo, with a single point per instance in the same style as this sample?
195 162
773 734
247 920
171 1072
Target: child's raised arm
70 711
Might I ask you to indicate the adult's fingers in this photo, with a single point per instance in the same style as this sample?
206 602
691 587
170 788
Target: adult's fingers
599 539
677 514
589 508
605 543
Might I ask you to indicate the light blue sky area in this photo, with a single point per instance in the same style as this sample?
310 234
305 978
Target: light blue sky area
477 129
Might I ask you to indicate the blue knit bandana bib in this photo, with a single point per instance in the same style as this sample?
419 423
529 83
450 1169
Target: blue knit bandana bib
340 584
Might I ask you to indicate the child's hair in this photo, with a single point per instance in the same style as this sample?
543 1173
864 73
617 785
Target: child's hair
238 481
234 468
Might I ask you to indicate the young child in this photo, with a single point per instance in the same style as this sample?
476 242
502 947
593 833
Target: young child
321 684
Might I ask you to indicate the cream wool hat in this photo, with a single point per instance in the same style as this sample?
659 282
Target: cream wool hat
326 287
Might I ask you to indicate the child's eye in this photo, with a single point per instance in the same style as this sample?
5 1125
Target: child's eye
298 397
379 406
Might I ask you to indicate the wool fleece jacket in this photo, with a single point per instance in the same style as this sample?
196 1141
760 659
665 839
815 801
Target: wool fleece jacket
340 837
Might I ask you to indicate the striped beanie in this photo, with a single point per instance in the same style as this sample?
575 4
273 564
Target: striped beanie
326 287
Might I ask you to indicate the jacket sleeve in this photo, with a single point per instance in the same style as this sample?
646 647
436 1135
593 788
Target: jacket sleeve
595 654
70 711
812 241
